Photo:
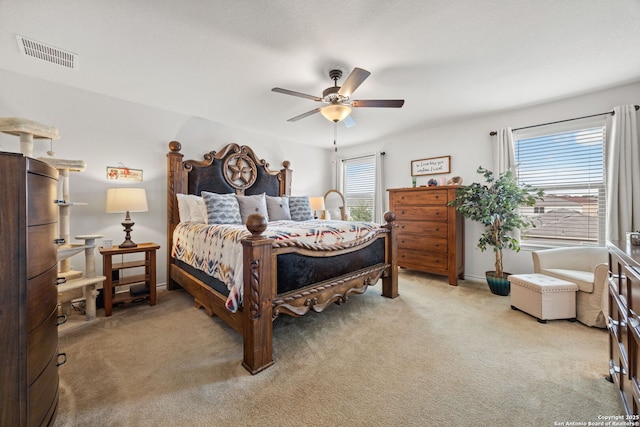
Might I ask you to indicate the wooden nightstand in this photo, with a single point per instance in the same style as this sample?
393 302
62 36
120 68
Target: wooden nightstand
148 277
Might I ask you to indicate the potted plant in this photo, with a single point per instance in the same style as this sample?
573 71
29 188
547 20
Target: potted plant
495 204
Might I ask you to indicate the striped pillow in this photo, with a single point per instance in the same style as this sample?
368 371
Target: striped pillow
222 208
300 208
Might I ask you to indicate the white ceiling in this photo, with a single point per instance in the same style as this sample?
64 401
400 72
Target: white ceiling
219 59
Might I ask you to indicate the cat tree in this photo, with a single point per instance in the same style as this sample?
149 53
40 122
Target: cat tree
72 284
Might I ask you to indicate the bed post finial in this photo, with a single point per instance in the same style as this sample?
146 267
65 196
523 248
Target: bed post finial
175 146
285 179
256 224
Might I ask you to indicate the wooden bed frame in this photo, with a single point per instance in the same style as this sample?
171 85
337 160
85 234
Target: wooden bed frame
244 173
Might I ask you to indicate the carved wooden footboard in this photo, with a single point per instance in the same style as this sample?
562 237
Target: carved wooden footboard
262 303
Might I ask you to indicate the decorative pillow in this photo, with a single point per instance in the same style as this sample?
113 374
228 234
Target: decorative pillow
222 208
300 208
183 208
278 208
192 208
333 214
252 205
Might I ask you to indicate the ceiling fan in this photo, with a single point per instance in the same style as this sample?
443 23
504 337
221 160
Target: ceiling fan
338 100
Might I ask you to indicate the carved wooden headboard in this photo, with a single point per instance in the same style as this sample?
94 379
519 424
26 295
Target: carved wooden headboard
233 169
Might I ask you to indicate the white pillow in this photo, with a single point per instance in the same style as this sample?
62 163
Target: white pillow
183 208
191 208
334 214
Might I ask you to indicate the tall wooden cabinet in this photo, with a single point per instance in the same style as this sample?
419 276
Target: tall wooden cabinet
28 295
624 323
430 233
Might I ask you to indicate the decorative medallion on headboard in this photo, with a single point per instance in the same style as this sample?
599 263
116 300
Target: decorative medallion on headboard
235 169
240 171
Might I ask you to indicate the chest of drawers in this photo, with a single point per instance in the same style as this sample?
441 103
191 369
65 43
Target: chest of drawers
624 323
430 233
28 294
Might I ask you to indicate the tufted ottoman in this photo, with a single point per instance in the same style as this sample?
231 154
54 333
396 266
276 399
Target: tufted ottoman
543 297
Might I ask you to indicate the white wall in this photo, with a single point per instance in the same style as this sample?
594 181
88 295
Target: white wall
469 145
105 131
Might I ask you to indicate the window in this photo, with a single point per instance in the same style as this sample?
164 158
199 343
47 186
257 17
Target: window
359 177
568 164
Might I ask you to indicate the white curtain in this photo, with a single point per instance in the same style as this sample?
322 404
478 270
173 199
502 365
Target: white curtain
379 193
504 157
622 160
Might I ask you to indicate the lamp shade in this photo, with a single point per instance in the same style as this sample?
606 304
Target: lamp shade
336 112
316 203
126 200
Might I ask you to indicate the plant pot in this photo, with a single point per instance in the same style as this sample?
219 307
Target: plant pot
498 285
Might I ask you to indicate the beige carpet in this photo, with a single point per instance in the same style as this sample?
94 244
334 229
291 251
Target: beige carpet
437 355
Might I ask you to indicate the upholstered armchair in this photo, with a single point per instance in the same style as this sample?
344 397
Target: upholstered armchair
586 267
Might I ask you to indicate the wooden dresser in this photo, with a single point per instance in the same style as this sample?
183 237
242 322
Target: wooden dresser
28 294
624 323
430 233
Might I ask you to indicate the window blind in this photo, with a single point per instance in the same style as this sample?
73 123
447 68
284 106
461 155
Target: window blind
569 167
359 187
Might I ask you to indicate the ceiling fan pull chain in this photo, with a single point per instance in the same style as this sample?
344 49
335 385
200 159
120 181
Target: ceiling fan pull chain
335 137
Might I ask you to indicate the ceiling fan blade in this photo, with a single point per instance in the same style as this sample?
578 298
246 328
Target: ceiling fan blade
294 93
349 122
355 79
302 116
387 103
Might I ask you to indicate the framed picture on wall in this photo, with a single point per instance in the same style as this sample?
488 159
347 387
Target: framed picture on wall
431 166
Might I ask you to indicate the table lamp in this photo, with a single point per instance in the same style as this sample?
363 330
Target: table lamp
316 204
126 200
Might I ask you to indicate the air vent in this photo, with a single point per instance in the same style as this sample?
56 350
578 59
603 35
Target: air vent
47 53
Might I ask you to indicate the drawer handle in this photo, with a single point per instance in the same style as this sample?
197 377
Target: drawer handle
615 323
62 319
58 241
64 359
617 370
60 280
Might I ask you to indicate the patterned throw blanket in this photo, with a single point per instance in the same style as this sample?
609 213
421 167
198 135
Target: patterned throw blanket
217 251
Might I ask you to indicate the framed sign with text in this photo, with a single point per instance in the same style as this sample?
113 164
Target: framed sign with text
431 166
124 174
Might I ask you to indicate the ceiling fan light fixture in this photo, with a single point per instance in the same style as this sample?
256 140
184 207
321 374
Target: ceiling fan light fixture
336 112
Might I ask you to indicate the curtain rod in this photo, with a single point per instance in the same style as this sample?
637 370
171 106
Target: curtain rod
382 153
562 121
